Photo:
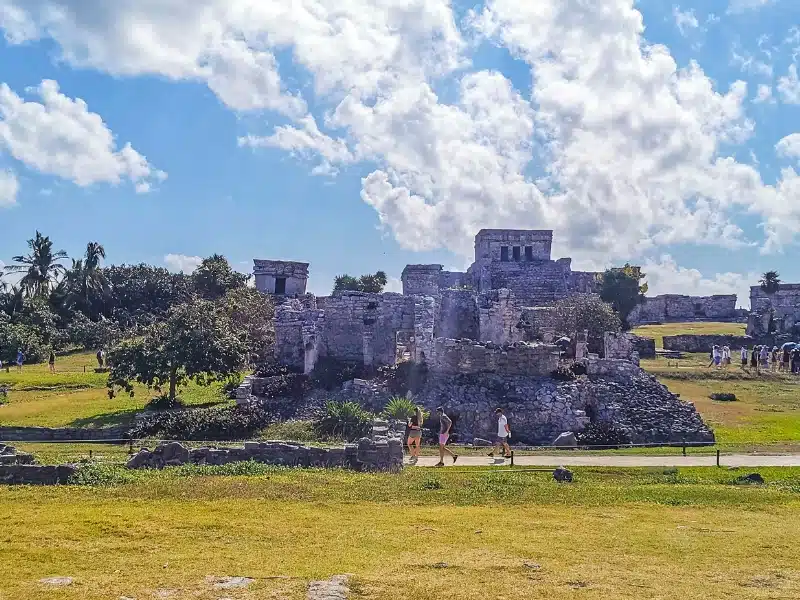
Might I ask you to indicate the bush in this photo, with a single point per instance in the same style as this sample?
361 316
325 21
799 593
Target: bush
293 386
603 435
272 368
330 373
723 397
233 382
291 431
347 420
163 402
400 408
226 423
404 377
92 335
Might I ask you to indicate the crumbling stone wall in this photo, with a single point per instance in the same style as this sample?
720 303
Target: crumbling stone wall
467 356
36 474
774 314
679 308
366 455
458 315
705 343
499 317
421 280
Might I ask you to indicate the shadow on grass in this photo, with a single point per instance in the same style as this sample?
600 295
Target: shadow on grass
110 419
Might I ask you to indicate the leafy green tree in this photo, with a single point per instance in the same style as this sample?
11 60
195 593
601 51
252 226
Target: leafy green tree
40 266
197 341
366 283
85 287
770 282
585 312
142 294
624 289
12 300
252 312
215 277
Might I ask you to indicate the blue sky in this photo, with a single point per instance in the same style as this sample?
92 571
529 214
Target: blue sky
360 135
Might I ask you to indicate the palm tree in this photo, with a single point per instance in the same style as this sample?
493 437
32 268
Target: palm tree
40 265
770 282
86 282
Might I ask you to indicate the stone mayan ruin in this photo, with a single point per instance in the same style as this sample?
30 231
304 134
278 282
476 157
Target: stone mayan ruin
774 314
473 333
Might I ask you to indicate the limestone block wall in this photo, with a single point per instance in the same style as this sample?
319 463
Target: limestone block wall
618 346
425 310
675 307
294 274
786 301
534 283
366 455
705 343
458 315
451 357
489 244
421 280
499 317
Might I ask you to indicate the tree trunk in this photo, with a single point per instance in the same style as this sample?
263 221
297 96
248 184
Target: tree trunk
173 378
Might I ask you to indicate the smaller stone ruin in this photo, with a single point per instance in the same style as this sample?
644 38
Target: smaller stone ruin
366 455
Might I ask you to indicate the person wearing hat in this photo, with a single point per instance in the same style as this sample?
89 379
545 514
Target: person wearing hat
503 433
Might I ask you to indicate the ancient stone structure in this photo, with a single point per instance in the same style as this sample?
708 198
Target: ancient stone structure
20 468
705 343
517 260
677 308
367 455
512 275
777 313
61 434
279 277
11 456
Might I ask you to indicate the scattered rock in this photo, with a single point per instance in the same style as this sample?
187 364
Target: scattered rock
562 475
752 478
532 566
566 440
334 588
57 581
226 583
440 565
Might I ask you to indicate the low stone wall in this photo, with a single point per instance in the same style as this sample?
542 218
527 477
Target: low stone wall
11 456
646 347
705 343
61 434
466 356
36 474
367 455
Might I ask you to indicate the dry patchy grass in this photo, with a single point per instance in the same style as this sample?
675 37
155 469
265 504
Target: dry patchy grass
659 331
609 535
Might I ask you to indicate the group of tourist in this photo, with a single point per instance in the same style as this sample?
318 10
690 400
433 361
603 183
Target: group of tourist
414 435
785 359
19 362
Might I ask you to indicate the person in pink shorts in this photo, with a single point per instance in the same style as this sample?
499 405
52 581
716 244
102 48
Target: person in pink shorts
445 423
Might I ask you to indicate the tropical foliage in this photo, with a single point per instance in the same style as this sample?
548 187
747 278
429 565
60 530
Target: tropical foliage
770 282
366 283
624 289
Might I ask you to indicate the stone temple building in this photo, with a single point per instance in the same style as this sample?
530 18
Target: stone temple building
777 313
512 275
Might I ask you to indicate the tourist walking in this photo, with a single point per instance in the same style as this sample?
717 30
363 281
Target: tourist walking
765 358
100 357
726 356
20 359
743 353
773 358
52 362
754 358
445 423
503 433
795 360
786 354
415 434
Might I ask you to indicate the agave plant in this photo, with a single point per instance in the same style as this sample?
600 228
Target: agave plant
345 419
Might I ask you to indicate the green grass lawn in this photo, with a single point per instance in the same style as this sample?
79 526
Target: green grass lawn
76 396
658 332
613 534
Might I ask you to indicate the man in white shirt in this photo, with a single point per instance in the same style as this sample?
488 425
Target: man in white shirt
503 433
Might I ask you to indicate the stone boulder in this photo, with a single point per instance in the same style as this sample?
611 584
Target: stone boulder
562 475
566 440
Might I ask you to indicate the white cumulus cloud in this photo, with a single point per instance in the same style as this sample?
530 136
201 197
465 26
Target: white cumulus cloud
9 187
616 146
60 136
180 263
789 86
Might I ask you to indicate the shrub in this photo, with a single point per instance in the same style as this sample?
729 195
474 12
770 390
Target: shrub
292 431
233 382
92 334
272 368
400 408
723 397
14 336
330 373
225 423
293 385
347 420
163 402
603 435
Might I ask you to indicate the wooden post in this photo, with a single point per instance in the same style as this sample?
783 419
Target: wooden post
512 458
717 456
